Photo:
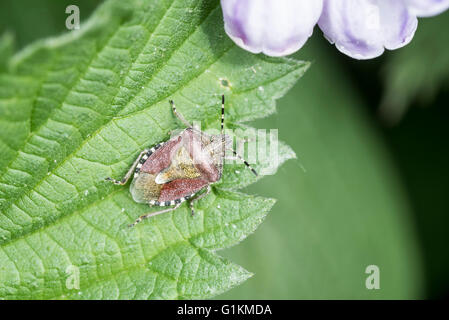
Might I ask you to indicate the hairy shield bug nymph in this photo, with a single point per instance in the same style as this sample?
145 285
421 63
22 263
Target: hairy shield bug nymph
182 168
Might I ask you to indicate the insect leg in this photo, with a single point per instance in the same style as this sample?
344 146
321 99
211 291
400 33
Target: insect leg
179 115
198 198
130 171
186 123
152 214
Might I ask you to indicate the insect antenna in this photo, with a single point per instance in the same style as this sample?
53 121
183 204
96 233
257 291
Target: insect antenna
222 114
223 139
223 144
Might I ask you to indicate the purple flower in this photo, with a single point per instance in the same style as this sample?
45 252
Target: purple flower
362 29
276 28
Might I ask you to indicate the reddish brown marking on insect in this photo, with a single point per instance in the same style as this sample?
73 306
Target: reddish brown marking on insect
191 140
180 188
162 157
208 172
203 160
177 170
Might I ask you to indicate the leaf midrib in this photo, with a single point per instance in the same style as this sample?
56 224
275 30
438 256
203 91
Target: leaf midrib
87 67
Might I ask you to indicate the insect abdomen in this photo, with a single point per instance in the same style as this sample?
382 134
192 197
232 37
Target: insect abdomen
144 188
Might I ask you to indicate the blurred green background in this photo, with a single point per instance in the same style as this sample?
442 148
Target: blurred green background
371 182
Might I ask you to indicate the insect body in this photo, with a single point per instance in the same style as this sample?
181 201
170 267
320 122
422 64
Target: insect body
179 169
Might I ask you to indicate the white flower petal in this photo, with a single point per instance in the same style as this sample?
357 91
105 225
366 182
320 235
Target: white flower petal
363 29
427 8
274 27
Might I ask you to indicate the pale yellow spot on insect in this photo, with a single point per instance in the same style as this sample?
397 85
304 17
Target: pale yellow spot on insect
181 167
145 188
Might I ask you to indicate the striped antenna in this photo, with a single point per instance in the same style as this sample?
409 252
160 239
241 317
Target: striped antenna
223 143
222 114
245 162
223 139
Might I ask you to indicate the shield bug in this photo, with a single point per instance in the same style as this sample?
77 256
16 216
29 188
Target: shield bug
180 169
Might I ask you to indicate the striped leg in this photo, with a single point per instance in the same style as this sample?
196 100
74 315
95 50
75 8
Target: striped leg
130 171
152 214
185 122
179 115
198 198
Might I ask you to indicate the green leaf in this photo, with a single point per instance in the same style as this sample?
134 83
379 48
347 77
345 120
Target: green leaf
6 50
418 71
341 205
80 107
